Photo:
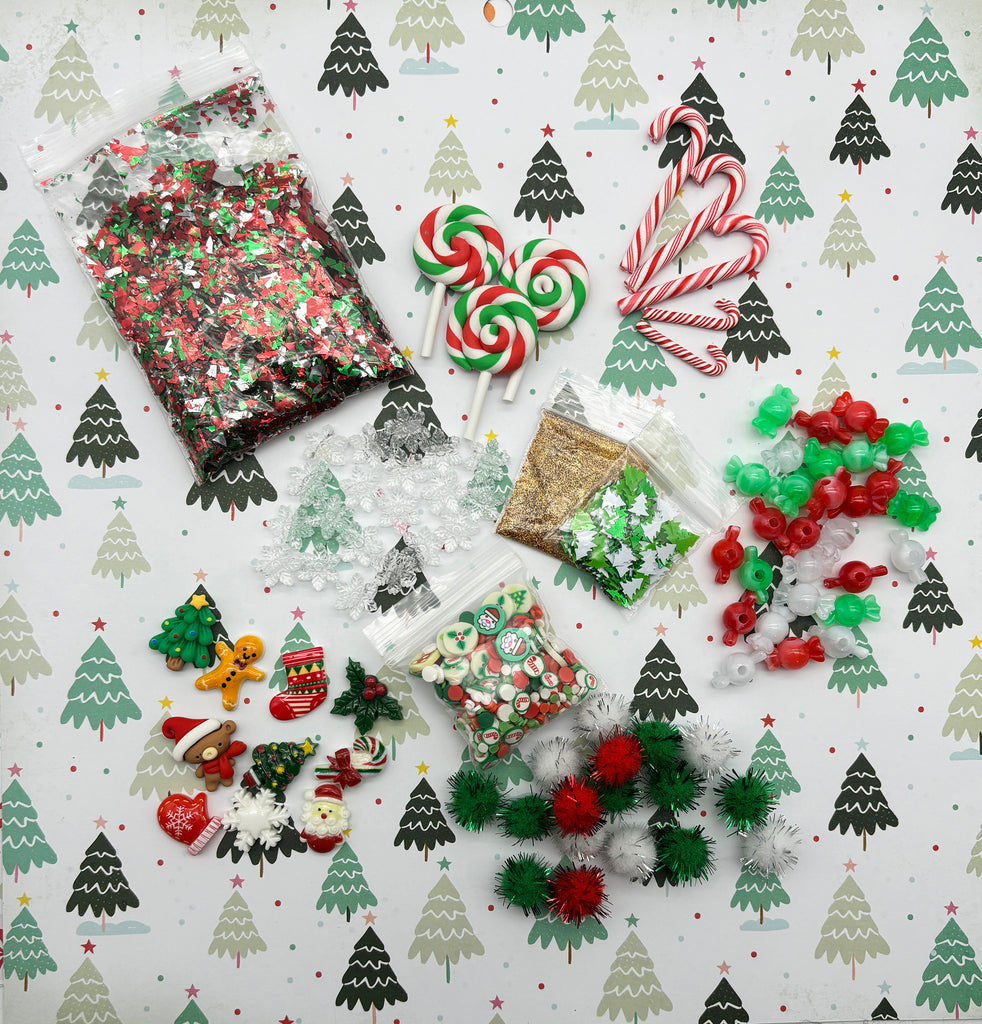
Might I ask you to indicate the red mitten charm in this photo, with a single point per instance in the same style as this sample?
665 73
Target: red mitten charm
186 819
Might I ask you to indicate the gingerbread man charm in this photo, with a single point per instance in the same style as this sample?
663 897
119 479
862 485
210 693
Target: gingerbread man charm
234 668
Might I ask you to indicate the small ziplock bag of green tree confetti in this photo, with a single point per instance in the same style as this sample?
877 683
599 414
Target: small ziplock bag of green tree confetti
655 506
197 222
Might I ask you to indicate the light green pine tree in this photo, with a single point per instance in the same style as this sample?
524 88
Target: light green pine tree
97 329
24 493
14 392
412 724
450 173
826 33
235 933
443 930
219 19
782 200
157 773
965 710
119 554
849 931
632 989
609 81
86 999
634 364
20 656
71 91
770 760
549 928
845 245
344 888
425 24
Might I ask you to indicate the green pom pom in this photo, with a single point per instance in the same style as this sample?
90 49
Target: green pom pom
526 818
523 881
675 789
474 798
744 800
618 799
684 854
661 741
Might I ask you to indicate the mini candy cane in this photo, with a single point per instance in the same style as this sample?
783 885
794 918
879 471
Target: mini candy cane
710 275
711 323
706 217
457 247
554 279
713 369
492 330
681 169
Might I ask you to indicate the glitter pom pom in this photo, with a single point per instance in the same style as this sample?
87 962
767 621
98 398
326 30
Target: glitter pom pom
601 715
617 759
744 800
523 881
474 798
707 747
577 893
772 848
684 854
675 789
630 851
526 818
660 741
553 761
583 848
576 808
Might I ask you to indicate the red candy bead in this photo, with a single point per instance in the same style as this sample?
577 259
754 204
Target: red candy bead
739 618
802 533
828 493
823 426
727 554
768 523
855 576
793 652
859 417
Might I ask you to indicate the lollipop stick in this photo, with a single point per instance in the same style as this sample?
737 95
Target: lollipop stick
433 314
483 383
514 383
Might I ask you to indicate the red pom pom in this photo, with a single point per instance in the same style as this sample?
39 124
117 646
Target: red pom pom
576 893
576 808
618 759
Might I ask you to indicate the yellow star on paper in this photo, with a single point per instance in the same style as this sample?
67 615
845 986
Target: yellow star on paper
198 601
451 121
490 435
307 747
844 197
102 374
347 833
165 703
976 642
422 768
407 352
833 353
24 900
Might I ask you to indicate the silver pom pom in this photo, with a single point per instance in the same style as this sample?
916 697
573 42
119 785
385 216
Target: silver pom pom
583 848
706 746
630 851
601 715
553 761
772 848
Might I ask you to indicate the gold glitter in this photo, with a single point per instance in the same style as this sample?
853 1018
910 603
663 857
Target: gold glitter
566 462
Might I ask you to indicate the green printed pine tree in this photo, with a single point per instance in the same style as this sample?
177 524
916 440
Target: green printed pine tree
849 931
941 323
23 841
771 762
423 823
235 934
858 138
760 892
99 695
738 5
24 951
426 25
634 364
676 217
826 33
157 773
609 82
845 246
857 675
191 1014
98 330
352 222
24 493
443 930
930 607
509 771
755 336
547 193
632 989
344 888
832 384
952 975
450 174
103 193
964 191
219 19
861 805
548 19
14 392
238 482
660 692
782 200
71 91
100 887
392 732
965 710
119 554
298 639
926 73
549 928
723 1006
20 656
350 64
490 487
369 978
100 437
87 998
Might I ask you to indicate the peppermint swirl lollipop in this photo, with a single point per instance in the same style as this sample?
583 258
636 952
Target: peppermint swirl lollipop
492 329
457 247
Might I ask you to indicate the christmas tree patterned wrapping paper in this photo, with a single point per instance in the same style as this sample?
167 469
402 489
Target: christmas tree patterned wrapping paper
857 123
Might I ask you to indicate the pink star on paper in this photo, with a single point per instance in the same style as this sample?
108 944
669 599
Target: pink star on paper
698 63
350 5
929 554
723 968
942 257
201 575
369 918
100 822
660 402
6 338
19 424
971 133
497 1003
175 72
237 882
782 147
661 629
191 991
298 613
347 179
15 769
951 908
269 105
849 865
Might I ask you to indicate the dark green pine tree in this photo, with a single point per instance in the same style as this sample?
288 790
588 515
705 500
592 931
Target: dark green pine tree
548 19
701 97
400 573
106 190
290 841
858 138
100 437
931 607
423 823
974 449
352 221
238 482
964 191
756 337
369 978
883 1011
547 193
724 1006
861 805
660 692
567 403
100 887
409 391
351 65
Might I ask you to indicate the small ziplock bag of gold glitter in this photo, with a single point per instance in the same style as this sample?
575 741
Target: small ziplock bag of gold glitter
482 639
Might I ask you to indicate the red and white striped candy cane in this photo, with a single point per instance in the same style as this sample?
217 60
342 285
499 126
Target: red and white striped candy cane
681 169
711 369
705 218
710 275
730 318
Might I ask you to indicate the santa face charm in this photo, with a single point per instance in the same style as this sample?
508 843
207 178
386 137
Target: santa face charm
324 817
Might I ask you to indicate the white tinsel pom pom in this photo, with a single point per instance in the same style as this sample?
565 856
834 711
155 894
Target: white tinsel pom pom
706 746
553 761
772 848
631 851
602 714
580 848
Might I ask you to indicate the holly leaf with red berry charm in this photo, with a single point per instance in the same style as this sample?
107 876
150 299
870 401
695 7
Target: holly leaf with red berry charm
366 698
